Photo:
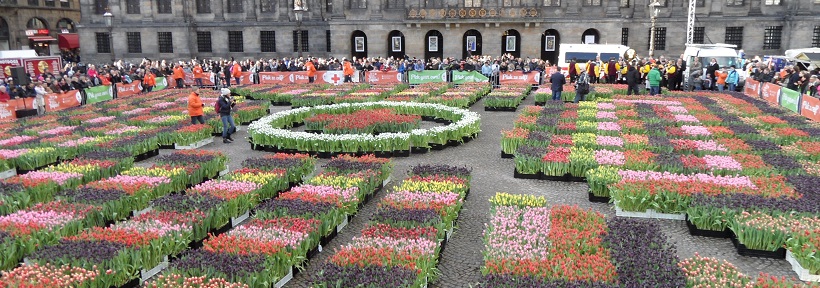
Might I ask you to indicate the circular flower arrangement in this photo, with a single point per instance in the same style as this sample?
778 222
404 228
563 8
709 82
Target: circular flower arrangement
273 132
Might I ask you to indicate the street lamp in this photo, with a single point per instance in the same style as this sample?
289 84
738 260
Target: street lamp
299 10
109 21
654 16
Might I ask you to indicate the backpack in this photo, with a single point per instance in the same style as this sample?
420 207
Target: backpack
583 85
216 106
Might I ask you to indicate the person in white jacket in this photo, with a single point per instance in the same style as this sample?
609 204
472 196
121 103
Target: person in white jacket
39 99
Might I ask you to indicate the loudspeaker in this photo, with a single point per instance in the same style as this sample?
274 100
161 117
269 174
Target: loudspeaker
20 76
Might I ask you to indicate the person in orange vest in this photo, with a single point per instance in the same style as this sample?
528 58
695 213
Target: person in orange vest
105 79
195 106
198 74
348 71
179 76
148 81
311 70
236 72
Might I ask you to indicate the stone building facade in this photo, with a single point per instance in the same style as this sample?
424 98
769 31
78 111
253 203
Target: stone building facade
37 24
182 29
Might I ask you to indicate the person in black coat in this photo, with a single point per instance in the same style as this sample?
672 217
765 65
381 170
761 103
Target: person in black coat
226 103
557 81
633 80
710 72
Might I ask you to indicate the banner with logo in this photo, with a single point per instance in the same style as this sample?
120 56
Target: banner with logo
283 77
810 107
790 99
206 79
100 93
125 89
427 76
6 64
461 77
379 77
40 65
333 77
519 77
162 82
61 101
751 88
771 93
8 110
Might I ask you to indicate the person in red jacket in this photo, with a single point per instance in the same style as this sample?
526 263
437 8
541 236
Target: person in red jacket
179 76
236 72
198 75
148 81
195 106
311 70
4 96
348 71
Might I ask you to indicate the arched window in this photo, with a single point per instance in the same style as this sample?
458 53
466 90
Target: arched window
358 44
4 35
434 47
591 36
395 46
66 24
36 23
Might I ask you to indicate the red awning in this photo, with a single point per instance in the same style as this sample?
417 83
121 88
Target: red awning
41 38
69 40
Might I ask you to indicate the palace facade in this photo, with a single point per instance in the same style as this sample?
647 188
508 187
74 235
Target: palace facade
45 26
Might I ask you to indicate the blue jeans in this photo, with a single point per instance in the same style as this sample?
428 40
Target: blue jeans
654 90
237 80
720 87
732 87
226 130
579 97
198 82
556 95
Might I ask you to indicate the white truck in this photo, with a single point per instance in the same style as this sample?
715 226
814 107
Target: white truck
725 54
585 52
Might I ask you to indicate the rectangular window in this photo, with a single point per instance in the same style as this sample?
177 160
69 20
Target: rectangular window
624 3
134 42
203 41
660 38
33 2
592 2
815 39
700 3
234 6
329 6
772 36
267 5
50 3
166 42
395 4
699 35
771 2
235 43
65 4
100 6
472 3
304 41
552 2
268 41
734 35
203 6
625 36
103 42
164 6
327 41
734 2
511 3
132 7
358 4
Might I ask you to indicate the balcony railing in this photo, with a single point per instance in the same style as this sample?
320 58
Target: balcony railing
471 13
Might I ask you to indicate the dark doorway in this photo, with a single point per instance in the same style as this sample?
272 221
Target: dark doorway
395 44
511 43
591 36
434 45
471 44
550 44
358 44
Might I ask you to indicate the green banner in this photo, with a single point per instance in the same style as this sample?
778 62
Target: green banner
790 99
461 77
99 94
162 82
419 77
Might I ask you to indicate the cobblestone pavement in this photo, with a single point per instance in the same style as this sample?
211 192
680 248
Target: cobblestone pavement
460 264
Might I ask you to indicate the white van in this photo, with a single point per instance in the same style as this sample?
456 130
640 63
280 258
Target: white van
725 54
585 52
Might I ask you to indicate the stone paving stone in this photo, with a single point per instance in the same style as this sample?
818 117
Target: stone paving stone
460 264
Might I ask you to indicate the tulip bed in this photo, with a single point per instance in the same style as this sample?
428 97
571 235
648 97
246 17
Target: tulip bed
366 121
531 245
272 132
710 272
601 91
506 98
403 241
463 96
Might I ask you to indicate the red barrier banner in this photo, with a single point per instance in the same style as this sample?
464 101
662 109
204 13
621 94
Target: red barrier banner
125 89
61 101
519 77
810 107
771 93
283 77
6 64
379 77
206 79
40 65
8 110
751 88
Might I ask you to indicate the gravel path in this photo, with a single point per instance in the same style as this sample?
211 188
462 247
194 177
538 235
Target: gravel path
461 262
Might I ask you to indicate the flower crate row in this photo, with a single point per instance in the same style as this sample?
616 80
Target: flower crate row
286 230
333 95
710 272
601 91
272 131
506 98
278 95
403 241
528 244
